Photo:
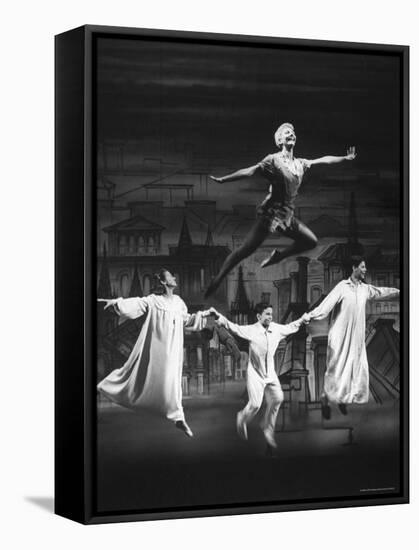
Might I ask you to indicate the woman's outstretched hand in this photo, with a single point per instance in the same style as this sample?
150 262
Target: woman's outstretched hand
218 180
108 302
350 153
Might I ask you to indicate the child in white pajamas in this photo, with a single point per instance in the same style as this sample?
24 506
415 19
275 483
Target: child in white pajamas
262 380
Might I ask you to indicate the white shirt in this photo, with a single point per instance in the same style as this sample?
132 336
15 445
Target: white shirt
262 342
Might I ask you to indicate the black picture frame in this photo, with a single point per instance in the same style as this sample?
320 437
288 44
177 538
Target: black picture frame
75 275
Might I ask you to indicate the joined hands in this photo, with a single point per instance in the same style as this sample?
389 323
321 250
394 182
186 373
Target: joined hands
212 311
305 318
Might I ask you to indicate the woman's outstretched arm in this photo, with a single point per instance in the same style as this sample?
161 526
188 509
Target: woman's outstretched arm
329 159
239 174
127 308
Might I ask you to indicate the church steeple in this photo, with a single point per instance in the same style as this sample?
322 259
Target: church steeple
136 288
104 289
240 308
185 240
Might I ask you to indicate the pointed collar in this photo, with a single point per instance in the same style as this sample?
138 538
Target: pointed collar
263 329
349 281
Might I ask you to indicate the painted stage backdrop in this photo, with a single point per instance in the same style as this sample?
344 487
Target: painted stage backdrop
169 115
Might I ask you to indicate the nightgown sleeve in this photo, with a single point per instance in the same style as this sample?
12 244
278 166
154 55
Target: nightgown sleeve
193 321
244 331
323 309
131 308
381 292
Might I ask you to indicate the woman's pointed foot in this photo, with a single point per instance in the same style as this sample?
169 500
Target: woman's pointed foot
274 258
181 425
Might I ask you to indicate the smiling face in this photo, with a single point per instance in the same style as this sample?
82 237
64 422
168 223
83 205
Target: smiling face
169 280
285 136
265 318
359 271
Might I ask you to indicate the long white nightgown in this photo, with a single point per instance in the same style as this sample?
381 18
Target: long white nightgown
151 377
347 376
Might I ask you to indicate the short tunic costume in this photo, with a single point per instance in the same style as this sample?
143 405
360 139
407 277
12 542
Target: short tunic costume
277 210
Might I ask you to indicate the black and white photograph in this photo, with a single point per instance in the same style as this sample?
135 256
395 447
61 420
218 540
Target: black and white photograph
209 275
249 209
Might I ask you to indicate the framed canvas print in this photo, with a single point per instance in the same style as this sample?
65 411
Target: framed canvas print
231 274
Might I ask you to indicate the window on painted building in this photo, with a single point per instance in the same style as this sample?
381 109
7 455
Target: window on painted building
185 385
146 285
124 284
266 297
140 243
123 245
202 273
132 244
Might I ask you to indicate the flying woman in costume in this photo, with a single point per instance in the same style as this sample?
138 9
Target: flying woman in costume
151 378
284 173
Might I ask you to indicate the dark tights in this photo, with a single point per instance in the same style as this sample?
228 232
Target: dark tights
304 239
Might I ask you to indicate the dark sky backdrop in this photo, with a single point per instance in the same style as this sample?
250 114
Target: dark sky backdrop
223 103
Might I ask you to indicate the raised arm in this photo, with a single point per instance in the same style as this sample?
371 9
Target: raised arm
239 174
329 159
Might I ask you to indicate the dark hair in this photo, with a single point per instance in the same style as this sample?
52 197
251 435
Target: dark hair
158 279
260 308
356 260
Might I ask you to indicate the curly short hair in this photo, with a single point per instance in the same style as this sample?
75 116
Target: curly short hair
279 130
